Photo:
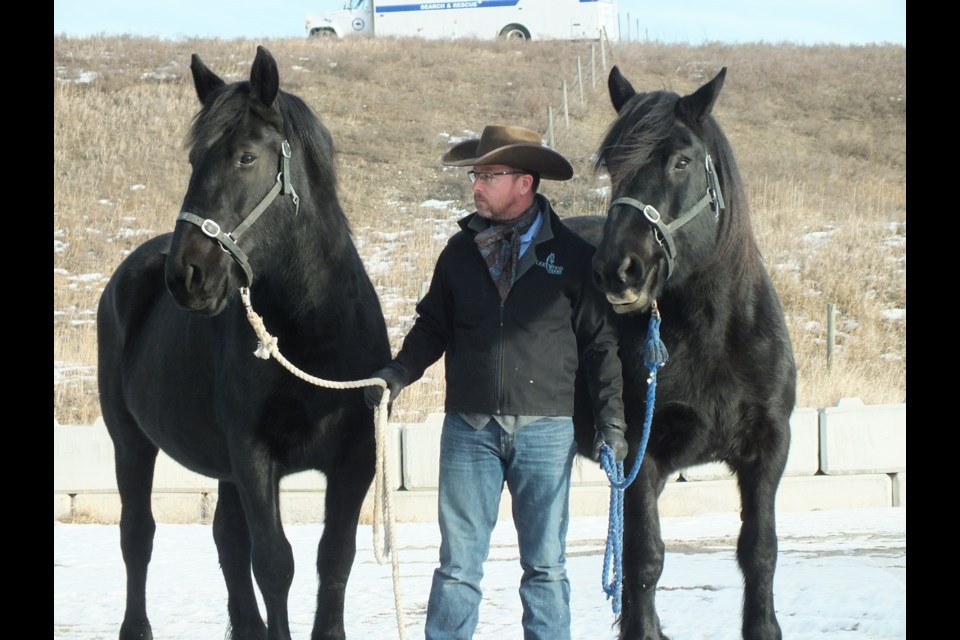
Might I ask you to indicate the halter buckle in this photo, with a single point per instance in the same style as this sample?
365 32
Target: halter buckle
210 228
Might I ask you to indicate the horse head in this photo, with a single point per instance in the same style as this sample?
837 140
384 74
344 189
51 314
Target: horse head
666 202
240 159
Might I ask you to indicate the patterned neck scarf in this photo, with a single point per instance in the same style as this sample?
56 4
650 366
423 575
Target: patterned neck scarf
500 247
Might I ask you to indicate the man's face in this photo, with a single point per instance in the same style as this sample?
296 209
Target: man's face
500 192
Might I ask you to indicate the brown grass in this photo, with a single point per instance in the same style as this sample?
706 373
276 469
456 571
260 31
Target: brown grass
819 132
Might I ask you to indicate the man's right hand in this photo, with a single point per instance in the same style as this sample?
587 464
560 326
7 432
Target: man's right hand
395 382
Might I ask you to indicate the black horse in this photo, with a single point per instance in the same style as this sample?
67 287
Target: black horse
677 241
177 369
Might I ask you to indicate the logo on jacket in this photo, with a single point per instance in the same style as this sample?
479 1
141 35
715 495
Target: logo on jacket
549 265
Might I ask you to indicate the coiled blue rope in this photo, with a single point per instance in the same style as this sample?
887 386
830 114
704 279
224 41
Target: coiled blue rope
654 357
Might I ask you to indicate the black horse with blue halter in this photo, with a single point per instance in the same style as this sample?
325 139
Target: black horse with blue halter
728 390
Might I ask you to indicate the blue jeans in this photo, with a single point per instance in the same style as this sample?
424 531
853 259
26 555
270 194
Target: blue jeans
535 462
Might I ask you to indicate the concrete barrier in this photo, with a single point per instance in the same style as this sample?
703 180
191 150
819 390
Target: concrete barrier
848 456
857 438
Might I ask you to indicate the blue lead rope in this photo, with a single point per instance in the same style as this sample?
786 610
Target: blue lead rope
654 356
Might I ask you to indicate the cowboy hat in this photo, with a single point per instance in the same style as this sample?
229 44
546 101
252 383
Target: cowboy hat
512 146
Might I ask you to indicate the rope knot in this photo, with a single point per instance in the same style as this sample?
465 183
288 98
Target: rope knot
264 350
654 351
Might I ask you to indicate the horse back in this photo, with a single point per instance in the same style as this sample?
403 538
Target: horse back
131 291
590 228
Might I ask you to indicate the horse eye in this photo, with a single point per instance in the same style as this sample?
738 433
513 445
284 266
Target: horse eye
247 158
681 164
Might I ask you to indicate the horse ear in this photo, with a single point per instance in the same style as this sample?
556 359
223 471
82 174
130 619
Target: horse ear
203 79
698 105
620 88
264 77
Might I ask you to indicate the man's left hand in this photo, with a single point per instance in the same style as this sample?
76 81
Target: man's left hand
613 436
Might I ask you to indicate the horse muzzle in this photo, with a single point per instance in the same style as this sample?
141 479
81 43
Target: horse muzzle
198 274
630 283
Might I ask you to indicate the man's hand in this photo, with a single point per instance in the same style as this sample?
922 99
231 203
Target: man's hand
613 436
395 382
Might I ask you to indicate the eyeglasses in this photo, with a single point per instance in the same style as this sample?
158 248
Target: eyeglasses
487 177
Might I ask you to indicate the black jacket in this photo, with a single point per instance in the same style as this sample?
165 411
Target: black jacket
519 356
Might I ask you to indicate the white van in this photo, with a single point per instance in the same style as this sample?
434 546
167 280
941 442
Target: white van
484 19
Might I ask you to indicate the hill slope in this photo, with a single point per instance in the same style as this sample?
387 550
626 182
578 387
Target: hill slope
819 132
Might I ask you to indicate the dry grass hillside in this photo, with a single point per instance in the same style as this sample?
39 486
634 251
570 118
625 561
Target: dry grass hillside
819 132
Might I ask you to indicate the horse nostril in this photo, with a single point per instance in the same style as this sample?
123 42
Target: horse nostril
631 268
192 278
624 270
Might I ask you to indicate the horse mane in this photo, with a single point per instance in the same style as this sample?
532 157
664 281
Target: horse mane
630 140
643 123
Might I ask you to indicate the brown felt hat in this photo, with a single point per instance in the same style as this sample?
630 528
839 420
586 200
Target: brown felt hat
512 146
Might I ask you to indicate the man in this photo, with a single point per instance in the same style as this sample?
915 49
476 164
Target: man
512 306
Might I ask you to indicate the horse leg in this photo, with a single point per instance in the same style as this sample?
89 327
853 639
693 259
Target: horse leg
270 552
643 553
757 545
346 489
232 537
134 460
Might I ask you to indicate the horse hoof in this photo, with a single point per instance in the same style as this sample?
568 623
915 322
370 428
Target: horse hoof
139 631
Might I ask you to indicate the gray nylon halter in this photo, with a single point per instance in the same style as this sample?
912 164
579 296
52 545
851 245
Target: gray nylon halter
664 232
228 241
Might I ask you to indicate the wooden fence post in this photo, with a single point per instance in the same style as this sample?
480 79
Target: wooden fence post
603 56
831 313
580 81
593 65
550 126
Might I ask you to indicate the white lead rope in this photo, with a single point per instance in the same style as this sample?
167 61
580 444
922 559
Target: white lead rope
382 496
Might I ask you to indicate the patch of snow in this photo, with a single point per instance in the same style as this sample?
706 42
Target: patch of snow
894 314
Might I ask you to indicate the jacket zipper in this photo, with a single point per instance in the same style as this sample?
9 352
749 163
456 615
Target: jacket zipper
499 386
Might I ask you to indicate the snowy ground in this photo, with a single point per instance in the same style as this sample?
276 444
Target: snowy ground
842 575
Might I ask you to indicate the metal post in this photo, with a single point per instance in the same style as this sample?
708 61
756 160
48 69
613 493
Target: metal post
566 108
